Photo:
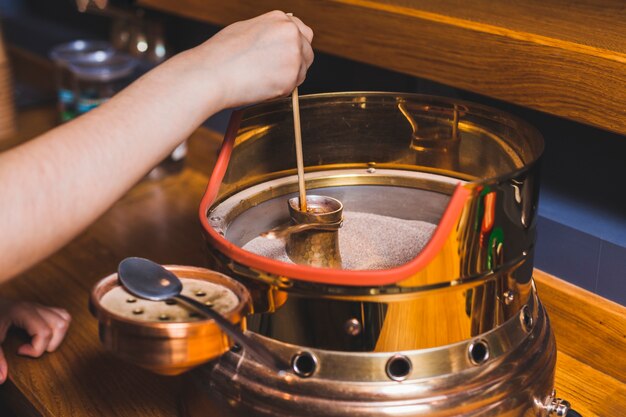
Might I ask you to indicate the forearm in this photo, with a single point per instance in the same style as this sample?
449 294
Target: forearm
52 187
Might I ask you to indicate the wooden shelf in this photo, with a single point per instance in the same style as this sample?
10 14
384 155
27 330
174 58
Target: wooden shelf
584 323
561 57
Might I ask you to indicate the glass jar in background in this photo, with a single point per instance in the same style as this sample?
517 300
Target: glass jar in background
98 77
62 56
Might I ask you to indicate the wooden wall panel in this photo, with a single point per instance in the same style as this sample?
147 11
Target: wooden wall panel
580 75
587 327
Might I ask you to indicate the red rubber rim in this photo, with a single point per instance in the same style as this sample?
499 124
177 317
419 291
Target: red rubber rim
380 277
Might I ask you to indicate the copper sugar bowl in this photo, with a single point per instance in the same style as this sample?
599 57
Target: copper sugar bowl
160 336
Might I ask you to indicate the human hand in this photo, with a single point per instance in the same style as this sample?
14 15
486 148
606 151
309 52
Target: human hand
84 4
257 59
46 325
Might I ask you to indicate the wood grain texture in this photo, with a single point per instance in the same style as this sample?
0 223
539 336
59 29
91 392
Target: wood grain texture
30 123
591 392
546 57
593 23
7 108
589 328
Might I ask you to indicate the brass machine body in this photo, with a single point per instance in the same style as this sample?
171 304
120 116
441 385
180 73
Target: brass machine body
452 332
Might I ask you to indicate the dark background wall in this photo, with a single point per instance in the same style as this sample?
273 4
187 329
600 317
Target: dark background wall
582 223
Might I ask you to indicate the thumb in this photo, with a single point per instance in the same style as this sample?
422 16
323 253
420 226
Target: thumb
3 367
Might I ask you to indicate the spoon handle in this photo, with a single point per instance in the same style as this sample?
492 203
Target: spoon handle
281 232
258 350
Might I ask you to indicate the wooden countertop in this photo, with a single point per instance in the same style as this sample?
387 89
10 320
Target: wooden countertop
561 57
158 220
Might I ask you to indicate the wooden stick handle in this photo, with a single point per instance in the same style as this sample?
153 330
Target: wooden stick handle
298 137
299 158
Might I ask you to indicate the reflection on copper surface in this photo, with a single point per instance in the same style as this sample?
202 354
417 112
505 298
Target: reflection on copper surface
167 347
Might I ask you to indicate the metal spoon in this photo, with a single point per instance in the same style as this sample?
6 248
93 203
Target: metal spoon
325 213
146 279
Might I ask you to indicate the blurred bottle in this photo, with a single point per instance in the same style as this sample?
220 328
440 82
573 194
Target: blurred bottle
65 55
142 35
98 77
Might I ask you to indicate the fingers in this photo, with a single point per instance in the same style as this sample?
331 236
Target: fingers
306 37
37 327
82 5
3 367
301 76
306 34
307 56
62 312
46 326
258 59
58 323
306 31
307 53
302 73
